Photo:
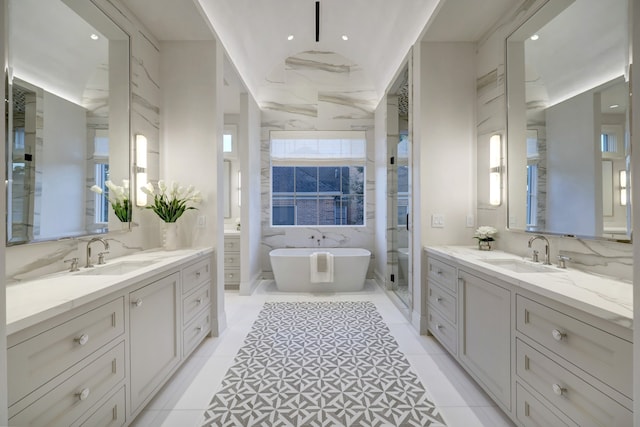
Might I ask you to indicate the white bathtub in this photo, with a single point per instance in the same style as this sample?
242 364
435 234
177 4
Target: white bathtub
291 269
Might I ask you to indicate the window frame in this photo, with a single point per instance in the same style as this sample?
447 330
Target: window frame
319 163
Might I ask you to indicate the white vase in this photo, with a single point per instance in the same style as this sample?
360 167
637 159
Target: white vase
170 237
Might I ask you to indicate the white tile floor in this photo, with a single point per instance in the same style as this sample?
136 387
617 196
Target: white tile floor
182 402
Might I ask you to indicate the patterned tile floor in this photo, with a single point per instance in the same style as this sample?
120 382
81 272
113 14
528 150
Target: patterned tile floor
185 399
321 364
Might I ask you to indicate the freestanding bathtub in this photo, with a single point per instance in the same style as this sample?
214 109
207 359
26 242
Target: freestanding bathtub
292 271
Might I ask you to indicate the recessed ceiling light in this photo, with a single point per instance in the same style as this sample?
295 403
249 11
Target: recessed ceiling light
614 106
345 37
94 37
290 37
535 37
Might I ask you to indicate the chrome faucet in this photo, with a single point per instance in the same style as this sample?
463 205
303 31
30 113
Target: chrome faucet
546 248
95 239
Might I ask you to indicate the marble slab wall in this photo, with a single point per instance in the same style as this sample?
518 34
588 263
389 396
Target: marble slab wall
316 91
27 261
602 257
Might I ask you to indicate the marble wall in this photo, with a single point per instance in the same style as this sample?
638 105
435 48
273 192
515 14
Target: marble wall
32 260
601 257
316 91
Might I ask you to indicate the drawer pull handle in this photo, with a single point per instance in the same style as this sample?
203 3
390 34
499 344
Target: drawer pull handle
558 390
439 299
84 394
199 329
438 326
137 303
439 272
557 335
82 339
199 301
197 274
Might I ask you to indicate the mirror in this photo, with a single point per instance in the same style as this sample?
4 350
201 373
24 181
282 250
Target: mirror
67 120
568 152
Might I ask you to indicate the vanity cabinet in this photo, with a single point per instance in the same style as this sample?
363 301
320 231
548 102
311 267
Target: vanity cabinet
98 364
543 362
154 344
485 334
232 261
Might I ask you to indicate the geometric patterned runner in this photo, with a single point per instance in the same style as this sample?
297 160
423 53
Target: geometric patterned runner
321 364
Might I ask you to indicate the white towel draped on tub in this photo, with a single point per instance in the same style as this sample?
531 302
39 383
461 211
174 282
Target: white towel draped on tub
321 267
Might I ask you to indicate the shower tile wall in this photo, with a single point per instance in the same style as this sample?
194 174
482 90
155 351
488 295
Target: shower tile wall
601 257
316 91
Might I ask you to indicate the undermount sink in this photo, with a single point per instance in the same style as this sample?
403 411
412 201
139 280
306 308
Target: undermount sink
121 267
520 266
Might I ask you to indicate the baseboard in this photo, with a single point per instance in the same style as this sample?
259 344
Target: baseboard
247 288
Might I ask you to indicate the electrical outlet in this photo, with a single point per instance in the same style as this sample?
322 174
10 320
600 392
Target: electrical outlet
202 221
470 221
437 221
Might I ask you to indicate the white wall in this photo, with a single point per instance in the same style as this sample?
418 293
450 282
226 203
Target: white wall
4 402
251 268
191 144
444 145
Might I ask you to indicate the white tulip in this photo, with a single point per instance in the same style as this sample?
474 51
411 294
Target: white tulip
96 189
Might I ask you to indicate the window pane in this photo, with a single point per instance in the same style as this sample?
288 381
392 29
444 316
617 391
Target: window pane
353 180
227 143
283 214
327 206
282 179
307 209
354 210
329 179
306 180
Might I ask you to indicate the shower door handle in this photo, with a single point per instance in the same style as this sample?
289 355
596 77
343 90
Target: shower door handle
407 222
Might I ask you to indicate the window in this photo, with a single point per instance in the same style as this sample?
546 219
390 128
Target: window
532 194
317 178
229 141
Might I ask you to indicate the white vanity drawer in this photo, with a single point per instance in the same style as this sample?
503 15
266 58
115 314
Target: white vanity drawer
231 259
196 274
444 274
443 331
231 276
581 402
443 302
533 413
38 359
195 332
599 353
66 403
110 414
232 243
194 303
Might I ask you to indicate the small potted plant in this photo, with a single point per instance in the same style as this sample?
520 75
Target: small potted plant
485 235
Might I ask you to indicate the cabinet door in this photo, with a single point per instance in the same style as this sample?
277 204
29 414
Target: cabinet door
154 336
485 334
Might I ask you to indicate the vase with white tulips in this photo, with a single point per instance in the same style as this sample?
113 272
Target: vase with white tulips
169 203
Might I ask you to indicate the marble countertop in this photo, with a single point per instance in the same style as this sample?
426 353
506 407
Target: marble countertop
601 296
35 301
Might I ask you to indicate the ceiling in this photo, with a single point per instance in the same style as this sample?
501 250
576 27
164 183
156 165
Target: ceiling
254 33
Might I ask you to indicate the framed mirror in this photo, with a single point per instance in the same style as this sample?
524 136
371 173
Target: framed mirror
568 151
68 125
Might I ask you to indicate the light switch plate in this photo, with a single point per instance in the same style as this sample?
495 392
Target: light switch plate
202 221
437 221
470 221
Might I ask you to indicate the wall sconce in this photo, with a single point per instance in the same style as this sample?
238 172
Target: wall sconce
141 169
623 187
495 170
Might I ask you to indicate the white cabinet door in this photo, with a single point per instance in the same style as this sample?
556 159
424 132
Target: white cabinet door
485 334
154 336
